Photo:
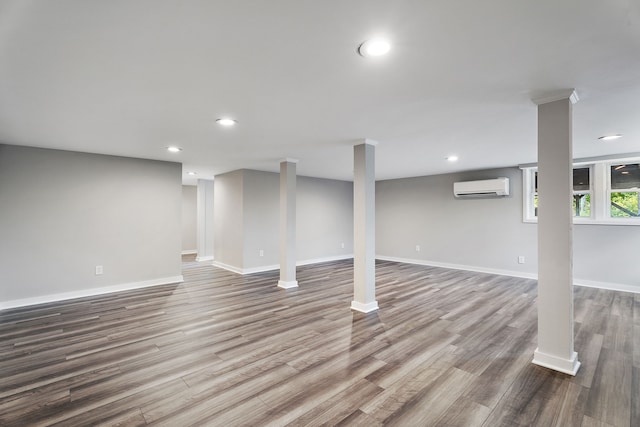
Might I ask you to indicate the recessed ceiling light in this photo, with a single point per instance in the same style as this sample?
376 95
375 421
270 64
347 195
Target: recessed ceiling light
452 158
374 47
610 137
174 149
191 173
226 122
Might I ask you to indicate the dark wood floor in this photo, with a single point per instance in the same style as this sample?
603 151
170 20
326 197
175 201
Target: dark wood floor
446 348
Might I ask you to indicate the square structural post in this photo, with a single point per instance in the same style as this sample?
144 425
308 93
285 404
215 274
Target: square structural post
364 228
288 224
555 234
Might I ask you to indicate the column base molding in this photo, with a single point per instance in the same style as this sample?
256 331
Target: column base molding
566 366
287 284
364 308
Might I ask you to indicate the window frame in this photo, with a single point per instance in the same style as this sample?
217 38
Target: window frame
599 189
625 190
591 168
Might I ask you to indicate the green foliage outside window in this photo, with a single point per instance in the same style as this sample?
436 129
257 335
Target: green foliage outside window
582 205
625 204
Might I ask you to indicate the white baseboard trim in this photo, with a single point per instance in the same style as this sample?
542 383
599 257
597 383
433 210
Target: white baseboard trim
89 292
204 258
189 252
272 267
287 284
607 285
324 259
227 267
567 366
260 269
576 282
364 307
477 269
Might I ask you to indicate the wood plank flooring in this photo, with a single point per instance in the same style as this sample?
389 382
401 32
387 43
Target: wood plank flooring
446 348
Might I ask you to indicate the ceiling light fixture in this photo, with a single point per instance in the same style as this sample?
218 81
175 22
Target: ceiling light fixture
617 168
192 173
174 149
452 158
610 137
226 122
374 47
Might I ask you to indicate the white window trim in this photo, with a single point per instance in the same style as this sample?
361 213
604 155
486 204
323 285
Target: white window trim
528 189
589 191
600 188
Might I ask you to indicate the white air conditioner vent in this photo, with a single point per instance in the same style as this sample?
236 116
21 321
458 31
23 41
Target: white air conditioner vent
498 187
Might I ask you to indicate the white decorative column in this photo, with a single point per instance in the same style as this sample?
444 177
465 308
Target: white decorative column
364 227
205 220
555 234
288 224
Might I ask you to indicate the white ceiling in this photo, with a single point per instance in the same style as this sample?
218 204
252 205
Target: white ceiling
130 77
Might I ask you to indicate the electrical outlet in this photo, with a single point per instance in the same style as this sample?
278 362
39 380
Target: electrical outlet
99 270
342 245
261 252
417 248
521 259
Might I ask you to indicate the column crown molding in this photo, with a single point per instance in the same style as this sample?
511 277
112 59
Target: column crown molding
548 97
366 141
289 160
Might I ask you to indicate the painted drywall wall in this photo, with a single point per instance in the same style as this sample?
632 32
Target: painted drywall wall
324 215
606 254
423 212
228 219
247 210
488 234
261 219
189 218
63 213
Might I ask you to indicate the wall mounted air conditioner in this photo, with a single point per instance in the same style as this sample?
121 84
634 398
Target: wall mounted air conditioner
498 187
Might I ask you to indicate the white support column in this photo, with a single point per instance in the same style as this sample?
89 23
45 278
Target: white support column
288 224
205 220
364 228
555 234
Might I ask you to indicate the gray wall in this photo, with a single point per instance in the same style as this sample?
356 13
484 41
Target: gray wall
261 200
228 218
189 218
63 213
488 234
607 253
324 214
247 209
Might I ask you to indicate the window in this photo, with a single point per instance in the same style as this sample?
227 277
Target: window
582 192
604 192
625 193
